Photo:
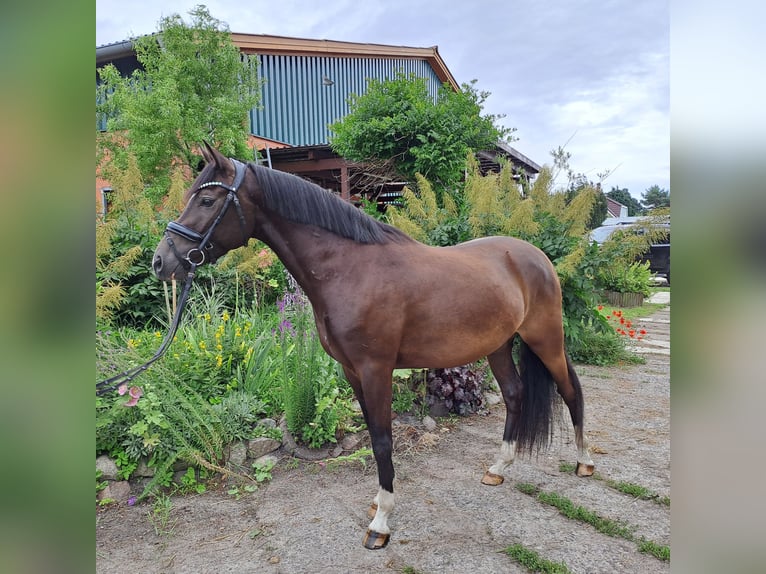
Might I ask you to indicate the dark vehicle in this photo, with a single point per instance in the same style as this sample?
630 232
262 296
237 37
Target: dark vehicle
658 255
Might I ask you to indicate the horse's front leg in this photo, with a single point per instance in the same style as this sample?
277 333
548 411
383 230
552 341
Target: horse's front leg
373 390
378 532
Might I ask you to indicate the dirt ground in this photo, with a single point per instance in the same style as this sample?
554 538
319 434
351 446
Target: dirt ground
310 518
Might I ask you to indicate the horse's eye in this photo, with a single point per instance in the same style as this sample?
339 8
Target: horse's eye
206 201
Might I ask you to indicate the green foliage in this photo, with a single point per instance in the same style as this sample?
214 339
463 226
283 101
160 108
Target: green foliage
632 278
189 482
601 348
160 516
655 198
194 85
659 551
262 470
239 413
533 562
100 484
604 525
316 396
408 390
399 120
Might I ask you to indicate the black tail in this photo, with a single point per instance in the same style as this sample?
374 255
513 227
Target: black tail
534 428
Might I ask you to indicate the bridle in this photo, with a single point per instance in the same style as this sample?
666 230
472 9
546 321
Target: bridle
194 258
196 255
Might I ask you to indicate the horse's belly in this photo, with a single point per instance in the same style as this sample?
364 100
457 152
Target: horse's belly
448 348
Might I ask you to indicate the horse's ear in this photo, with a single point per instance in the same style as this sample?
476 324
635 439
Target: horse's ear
207 152
213 155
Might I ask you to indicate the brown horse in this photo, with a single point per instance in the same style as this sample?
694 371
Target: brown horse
383 301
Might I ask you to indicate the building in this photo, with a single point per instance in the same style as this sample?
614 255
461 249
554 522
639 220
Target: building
306 86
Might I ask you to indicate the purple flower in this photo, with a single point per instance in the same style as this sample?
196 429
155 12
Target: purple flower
286 327
131 501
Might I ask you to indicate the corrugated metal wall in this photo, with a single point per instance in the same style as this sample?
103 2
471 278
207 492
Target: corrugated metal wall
297 104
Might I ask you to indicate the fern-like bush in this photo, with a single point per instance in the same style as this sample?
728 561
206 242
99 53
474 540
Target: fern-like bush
317 399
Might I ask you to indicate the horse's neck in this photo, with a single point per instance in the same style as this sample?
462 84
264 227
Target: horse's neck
306 254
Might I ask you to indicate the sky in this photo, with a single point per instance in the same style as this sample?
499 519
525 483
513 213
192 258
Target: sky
589 76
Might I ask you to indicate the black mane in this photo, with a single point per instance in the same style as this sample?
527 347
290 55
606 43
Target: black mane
304 202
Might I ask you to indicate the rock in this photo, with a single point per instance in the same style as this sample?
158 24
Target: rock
179 475
266 459
261 446
302 452
429 423
351 442
268 423
107 467
237 454
492 399
143 470
117 490
438 409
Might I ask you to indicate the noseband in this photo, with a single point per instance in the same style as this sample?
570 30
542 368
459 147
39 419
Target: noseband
196 255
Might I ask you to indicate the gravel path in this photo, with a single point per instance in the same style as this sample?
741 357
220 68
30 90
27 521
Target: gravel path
310 518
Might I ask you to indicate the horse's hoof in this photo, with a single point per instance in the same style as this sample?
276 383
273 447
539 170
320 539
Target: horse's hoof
492 479
375 540
372 510
585 469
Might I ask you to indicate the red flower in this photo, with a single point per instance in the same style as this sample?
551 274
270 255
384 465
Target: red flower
643 331
632 333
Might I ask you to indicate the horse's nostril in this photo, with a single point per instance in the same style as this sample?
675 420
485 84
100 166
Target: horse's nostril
157 263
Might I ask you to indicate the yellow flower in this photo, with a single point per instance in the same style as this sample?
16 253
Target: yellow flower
218 361
157 335
133 343
225 316
207 317
202 345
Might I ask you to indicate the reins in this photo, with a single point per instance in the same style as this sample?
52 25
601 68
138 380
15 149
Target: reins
191 263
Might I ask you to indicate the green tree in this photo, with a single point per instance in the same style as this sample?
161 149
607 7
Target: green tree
194 86
655 197
623 196
400 122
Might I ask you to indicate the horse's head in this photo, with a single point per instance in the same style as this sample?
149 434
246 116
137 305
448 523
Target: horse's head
212 223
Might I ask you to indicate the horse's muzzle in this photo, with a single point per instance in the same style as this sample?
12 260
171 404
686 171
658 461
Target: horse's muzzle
167 268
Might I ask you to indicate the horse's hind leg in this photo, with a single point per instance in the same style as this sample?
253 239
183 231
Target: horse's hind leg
504 369
585 465
373 390
551 353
